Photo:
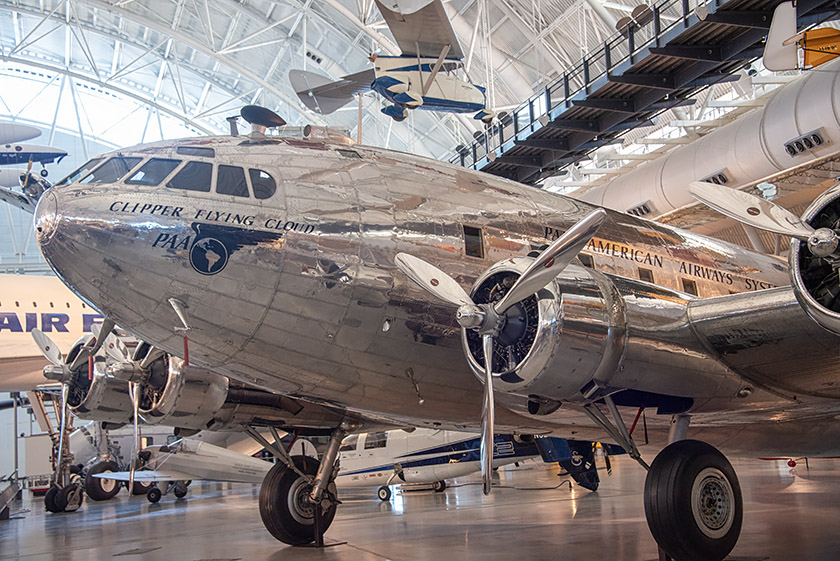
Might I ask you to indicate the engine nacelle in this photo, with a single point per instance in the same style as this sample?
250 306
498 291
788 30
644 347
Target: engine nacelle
103 398
189 398
815 281
556 342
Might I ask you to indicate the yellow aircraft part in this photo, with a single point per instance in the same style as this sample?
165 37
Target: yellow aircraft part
820 46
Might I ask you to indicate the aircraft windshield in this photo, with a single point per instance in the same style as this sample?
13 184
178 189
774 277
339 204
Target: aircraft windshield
153 172
112 170
195 176
83 170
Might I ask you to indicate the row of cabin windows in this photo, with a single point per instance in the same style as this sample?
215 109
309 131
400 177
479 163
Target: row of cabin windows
193 176
35 304
373 440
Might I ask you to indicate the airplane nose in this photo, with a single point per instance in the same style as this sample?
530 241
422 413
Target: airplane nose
46 217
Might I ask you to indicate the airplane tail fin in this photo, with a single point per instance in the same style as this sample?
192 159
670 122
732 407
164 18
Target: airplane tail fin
324 96
779 53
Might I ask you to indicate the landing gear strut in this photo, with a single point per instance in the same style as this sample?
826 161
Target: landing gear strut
298 497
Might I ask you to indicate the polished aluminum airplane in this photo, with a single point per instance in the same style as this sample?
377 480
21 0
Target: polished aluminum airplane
294 266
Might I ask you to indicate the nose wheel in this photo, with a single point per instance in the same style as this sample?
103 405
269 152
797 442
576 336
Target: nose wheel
693 502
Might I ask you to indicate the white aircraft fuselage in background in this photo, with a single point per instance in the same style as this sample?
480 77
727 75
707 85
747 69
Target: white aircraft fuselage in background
43 302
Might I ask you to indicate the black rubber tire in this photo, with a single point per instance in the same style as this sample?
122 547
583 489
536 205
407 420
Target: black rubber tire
688 481
292 527
100 489
49 498
141 487
384 493
70 497
180 490
439 486
153 494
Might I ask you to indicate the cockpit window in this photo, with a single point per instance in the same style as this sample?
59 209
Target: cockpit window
82 171
112 170
153 172
263 184
195 176
231 181
202 151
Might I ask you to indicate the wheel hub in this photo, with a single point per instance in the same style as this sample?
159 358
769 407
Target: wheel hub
300 507
712 503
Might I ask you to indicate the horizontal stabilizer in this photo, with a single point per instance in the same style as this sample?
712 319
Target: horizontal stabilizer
322 95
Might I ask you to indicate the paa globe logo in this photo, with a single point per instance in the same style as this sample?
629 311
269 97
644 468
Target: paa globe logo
208 256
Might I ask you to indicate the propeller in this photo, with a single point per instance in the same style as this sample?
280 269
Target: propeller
760 213
488 319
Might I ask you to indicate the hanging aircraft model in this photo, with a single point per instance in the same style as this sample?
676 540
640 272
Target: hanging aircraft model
215 248
784 41
424 76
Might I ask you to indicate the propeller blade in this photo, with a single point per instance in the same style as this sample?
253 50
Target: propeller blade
65 390
135 449
101 333
751 210
48 347
553 260
487 417
432 279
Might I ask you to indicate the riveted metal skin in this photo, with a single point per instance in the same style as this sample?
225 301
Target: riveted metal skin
105 399
291 293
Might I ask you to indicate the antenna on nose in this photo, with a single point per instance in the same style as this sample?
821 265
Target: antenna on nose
261 118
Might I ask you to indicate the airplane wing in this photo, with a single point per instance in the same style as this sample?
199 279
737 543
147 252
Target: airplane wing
322 95
19 200
420 27
149 476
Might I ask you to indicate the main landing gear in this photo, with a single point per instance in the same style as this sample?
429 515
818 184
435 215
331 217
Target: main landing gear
298 497
692 496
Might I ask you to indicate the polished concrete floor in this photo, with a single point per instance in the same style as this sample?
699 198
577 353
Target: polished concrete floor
789 515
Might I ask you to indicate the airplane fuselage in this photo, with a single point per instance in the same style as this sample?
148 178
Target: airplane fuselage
401 80
298 293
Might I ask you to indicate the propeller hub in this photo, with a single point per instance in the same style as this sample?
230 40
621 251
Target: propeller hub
470 316
59 373
823 242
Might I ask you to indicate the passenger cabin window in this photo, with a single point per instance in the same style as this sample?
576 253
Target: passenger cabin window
376 440
231 181
201 151
586 260
81 172
195 176
473 243
646 275
153 172
263 184
112 170
690 286
350 443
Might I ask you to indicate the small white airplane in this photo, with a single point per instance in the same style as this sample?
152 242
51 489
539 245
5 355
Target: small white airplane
188 460
12 152
425 76
428 456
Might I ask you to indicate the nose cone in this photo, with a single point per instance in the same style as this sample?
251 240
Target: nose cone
46 218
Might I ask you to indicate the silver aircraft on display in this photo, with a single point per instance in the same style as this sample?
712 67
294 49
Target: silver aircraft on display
325 282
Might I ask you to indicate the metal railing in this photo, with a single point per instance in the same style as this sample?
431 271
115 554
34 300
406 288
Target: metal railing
577 83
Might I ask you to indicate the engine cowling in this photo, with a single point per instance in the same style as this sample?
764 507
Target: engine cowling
189 398
815 279
553 343
102 398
